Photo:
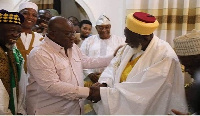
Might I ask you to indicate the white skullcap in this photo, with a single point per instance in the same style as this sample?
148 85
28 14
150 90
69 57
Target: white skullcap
188 44
103 20
28 5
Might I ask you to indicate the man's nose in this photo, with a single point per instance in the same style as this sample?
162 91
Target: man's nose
88 31
104 29
30 16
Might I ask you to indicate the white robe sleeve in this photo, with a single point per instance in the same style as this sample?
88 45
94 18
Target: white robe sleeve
85 50
155 90
108 74
91 62
4 100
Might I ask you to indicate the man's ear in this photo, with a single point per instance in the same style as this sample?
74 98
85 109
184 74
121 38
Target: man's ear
51 34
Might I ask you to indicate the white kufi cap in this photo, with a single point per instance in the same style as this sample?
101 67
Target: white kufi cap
188 44
28 5
103 20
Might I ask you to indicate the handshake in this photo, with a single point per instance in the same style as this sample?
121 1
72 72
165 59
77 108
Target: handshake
94 95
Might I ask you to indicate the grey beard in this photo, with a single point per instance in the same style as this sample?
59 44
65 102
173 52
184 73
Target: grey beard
10 47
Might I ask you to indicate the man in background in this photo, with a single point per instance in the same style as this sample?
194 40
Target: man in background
85 30
28 38
75 22
11 83
102 44
187 49
144 78
42 21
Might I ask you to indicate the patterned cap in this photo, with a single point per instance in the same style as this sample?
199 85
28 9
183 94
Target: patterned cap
188 44
11 17
28 5
141 23
103 20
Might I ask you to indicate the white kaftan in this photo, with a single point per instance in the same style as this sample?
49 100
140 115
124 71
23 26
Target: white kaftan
4 98
26 40
154 86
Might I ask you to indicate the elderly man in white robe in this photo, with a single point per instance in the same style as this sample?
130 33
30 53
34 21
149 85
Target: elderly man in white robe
144 78
101 44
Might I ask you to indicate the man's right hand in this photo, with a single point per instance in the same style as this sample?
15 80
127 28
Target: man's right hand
94 95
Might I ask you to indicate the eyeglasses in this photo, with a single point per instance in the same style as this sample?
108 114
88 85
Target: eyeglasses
70 34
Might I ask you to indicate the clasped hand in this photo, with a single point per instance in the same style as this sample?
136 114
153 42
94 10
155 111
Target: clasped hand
94 77
94 95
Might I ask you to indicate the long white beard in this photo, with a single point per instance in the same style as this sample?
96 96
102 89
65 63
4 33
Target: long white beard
138 49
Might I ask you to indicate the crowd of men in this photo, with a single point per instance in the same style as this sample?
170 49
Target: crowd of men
52 65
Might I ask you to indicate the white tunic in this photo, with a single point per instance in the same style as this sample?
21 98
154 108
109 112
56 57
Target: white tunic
26 40
95 47
154 86
4 98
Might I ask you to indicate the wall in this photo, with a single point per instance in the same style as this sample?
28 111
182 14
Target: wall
11 5
68 8
114 9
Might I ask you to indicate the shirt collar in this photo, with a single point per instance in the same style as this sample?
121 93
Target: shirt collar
54 45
